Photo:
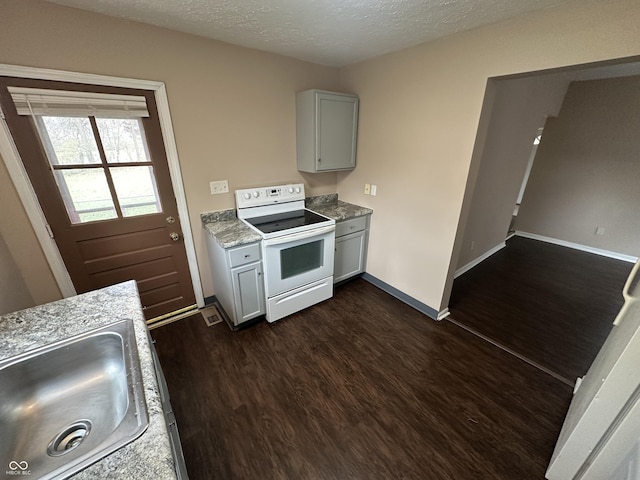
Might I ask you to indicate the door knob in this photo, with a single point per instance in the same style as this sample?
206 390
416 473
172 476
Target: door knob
174 236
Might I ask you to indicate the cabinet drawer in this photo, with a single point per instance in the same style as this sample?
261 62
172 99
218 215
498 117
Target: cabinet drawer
351 226
245 254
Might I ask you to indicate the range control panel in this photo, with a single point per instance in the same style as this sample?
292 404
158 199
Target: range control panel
255 197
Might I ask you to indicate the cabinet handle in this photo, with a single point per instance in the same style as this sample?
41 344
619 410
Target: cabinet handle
247 255
319 160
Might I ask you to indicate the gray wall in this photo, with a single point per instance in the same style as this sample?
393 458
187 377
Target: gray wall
516 111
587 170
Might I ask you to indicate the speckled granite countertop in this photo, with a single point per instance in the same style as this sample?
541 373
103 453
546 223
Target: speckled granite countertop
330 206
225 227
147 457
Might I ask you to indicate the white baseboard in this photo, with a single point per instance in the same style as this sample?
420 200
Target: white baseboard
479 260
577 246
443 314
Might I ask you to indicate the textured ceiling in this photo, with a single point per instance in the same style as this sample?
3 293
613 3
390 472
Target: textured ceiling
330 32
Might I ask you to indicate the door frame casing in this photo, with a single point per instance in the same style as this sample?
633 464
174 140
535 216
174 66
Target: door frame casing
27 195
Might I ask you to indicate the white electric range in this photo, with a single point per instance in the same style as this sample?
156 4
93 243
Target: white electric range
297 247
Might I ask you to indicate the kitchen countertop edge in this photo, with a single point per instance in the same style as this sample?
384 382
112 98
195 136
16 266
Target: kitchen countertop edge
330 206
148 456
229 231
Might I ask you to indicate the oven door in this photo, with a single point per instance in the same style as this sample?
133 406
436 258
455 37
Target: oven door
295 260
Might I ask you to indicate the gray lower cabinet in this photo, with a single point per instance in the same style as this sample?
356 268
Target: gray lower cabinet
351 248
172 427
238 280
248 291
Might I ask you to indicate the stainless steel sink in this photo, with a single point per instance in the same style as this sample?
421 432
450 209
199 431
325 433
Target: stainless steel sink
70 403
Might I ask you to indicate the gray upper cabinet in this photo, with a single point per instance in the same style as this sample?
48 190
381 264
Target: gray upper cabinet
326 131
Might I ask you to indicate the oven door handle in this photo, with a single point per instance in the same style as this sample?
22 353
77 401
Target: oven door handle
298 236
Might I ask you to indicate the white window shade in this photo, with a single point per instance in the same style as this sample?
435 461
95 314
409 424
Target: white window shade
63 103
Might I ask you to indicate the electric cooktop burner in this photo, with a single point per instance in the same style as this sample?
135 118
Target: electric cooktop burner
285 221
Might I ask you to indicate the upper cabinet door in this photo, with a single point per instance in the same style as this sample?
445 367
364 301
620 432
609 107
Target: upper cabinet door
327 129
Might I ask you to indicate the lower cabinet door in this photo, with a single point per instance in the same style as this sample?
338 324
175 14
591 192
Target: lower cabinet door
248 291
349 256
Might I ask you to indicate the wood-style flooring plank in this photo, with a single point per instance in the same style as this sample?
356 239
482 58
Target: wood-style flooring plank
551 304
358 387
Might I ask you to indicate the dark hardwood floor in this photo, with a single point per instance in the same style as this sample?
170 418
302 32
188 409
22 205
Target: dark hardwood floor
551 304
358 387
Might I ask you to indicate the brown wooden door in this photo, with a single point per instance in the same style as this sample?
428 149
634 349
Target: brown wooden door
105 189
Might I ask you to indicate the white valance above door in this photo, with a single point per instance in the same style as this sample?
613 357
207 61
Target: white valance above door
65 103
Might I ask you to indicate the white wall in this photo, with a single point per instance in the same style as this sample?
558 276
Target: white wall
14 294
25 277
587 169
519 108
234 113
420 110
233 108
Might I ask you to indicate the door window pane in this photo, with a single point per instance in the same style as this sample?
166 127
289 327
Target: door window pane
136 190
123 140
90 193
70 141
302 258
86 194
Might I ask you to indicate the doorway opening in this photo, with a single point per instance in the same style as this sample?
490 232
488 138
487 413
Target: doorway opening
534 149
564 189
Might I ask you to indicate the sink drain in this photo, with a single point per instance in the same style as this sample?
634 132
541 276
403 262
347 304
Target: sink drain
69 439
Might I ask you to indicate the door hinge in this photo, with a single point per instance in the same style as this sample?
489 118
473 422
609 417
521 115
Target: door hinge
48 227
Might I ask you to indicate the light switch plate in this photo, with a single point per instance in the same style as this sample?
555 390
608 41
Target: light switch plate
220 186
367 189
374 190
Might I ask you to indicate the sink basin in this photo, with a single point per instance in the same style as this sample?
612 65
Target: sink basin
70 403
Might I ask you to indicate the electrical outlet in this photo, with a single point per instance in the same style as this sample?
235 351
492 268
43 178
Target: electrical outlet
220 186
367 189
374 190
599 230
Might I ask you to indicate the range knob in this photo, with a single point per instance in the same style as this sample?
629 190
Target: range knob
256 194
290 189
247 196
298 190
